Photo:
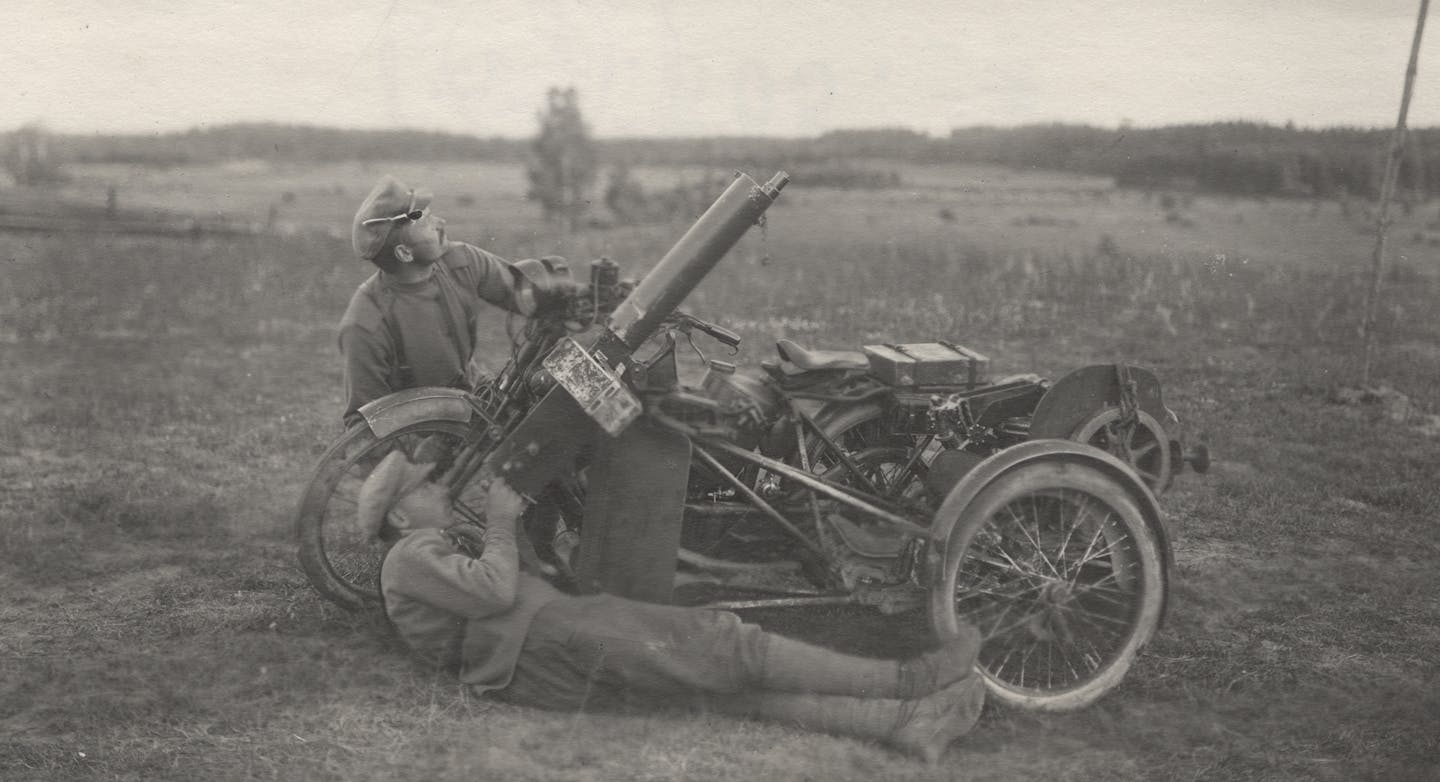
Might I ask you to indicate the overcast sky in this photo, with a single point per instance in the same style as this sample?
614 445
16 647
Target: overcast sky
683 67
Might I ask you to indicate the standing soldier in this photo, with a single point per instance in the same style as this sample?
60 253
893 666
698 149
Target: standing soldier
412 323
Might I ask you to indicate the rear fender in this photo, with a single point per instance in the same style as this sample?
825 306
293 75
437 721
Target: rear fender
837 417
398 410
832 418
975 481
1077 396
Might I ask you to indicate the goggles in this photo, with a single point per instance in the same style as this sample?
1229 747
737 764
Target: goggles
411 214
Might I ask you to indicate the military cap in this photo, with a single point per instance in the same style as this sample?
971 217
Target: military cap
388 205
400 490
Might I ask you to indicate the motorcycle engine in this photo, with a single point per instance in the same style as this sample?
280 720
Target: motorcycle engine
748 399
747 406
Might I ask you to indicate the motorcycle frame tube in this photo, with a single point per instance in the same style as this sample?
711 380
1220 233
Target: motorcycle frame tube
819 485
514 373
692 257
844 458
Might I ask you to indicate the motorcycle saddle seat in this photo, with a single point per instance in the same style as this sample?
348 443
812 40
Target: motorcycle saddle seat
816 360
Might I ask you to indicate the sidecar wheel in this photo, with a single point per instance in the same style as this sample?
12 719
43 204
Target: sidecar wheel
1054 563
341 566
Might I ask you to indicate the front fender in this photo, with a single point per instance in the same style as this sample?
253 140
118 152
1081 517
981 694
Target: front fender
413 405
965 491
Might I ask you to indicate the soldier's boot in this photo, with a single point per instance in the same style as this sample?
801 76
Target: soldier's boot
923 727
931 724
795 666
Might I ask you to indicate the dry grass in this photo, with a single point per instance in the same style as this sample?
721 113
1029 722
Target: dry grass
163 399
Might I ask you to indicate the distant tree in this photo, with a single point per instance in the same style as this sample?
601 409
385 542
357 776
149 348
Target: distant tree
625 197
29 158
562 165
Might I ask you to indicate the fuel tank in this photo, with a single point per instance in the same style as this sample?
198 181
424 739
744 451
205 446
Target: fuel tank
742 389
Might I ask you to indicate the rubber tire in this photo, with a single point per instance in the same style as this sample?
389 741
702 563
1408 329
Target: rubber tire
1031 478
315 514
840 420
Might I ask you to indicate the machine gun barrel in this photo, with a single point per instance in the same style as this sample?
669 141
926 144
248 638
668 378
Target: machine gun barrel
693 256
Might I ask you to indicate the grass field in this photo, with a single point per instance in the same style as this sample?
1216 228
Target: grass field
162 400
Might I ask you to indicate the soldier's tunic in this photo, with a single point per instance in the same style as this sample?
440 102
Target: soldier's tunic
398 335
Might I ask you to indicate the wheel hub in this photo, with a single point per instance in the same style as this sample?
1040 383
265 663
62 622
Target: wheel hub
1049 621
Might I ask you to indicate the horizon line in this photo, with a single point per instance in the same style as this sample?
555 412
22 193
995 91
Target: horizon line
1120 128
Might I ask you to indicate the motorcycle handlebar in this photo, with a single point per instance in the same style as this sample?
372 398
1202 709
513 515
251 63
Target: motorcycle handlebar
721 334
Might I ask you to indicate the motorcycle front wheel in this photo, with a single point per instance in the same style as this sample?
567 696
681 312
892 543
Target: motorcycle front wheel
334 555
1054 564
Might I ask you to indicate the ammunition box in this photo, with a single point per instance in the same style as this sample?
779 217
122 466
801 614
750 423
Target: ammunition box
926 364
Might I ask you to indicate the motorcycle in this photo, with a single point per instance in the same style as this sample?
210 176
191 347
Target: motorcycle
898 477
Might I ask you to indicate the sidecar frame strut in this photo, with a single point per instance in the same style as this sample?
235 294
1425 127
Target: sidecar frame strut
844 494
756 500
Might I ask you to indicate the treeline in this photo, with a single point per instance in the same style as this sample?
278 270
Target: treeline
1232 157
287 143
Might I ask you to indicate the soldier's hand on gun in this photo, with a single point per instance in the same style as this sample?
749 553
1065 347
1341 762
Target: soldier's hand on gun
581 311
503 505
468 538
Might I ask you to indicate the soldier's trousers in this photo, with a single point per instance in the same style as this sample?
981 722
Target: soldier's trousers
606 652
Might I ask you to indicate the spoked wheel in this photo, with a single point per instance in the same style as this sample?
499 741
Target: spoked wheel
337 561
887 463
1054 563
1141 443
892 472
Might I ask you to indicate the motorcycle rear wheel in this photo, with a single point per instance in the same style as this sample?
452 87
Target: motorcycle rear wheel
337 562
1053 562
861 432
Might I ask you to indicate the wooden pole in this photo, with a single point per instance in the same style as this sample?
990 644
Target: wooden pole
1387 191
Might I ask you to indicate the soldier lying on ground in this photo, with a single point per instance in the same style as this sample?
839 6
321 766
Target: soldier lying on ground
459 599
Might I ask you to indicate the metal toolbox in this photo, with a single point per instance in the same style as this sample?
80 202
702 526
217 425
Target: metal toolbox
926 364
